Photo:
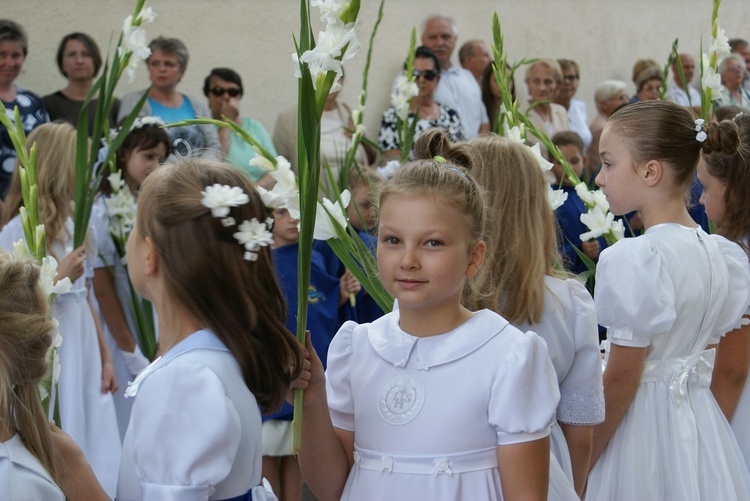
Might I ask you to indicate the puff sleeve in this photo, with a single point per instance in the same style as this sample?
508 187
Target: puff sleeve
582 391
186 442
635 297
524 393
738 300
338 378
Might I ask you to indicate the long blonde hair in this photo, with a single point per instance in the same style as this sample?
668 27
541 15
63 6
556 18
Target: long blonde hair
25 336
55 159
521 236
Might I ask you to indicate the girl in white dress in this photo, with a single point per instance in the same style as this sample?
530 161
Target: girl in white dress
431 401
27 465
664 297
525 284
87 380
726 197
144 149
199 253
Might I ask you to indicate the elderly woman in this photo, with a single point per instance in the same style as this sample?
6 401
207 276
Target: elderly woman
14 47
542 82
732 70
609 96
577 114
166 66
491 96
647 77
79 61
423 106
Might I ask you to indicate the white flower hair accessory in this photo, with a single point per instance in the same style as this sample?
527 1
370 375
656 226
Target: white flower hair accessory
701 134
148 122
220 198
251 234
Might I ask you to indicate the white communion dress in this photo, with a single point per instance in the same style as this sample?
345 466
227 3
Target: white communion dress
22 476
86 414
428 414
195 428
568 326
674 290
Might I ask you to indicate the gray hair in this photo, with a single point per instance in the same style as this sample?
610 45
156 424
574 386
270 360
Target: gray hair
731 57
451 21
172 46
606 90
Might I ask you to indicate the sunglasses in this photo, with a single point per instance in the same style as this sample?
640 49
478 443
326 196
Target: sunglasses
218 91
428 75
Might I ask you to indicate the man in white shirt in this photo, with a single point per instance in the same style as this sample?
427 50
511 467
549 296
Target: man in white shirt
675 92
457 89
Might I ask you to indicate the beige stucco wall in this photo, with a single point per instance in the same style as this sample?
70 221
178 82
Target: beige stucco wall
255 38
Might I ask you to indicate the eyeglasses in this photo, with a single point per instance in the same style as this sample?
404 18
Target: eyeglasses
219 91
570 78
428 75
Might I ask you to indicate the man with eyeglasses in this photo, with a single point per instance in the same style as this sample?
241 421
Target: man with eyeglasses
223 88
457 88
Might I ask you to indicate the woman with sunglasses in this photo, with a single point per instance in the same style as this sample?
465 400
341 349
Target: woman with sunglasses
423 106
166 67
224 90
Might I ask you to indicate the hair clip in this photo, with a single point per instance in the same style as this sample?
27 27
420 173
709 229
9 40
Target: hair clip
701 134
252 234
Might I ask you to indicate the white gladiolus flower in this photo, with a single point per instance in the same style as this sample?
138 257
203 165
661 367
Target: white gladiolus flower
330 214
47 278
284 176
540 160
147 15
405 91
720 46
586 195
262 163
115 181
711 80
514 134
271 199
618 229
21 251
598 221
556 197
600 199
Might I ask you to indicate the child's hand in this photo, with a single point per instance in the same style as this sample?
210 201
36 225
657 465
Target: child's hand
590 248
312 379
72 265
109 381
348 285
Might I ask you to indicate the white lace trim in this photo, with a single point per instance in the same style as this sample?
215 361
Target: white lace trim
581 407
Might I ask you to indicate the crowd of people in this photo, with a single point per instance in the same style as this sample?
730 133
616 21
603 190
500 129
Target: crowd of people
498 374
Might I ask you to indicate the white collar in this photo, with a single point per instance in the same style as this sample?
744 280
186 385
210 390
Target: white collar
396 346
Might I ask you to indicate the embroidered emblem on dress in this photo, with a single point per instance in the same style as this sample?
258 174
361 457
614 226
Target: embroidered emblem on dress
401 398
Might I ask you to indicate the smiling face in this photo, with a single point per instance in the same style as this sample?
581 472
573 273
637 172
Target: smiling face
618 178
424 252
77 62
11 61
541 83
164 70
438 36
712 197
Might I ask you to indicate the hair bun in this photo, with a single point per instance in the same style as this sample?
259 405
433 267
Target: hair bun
435 143
721 137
